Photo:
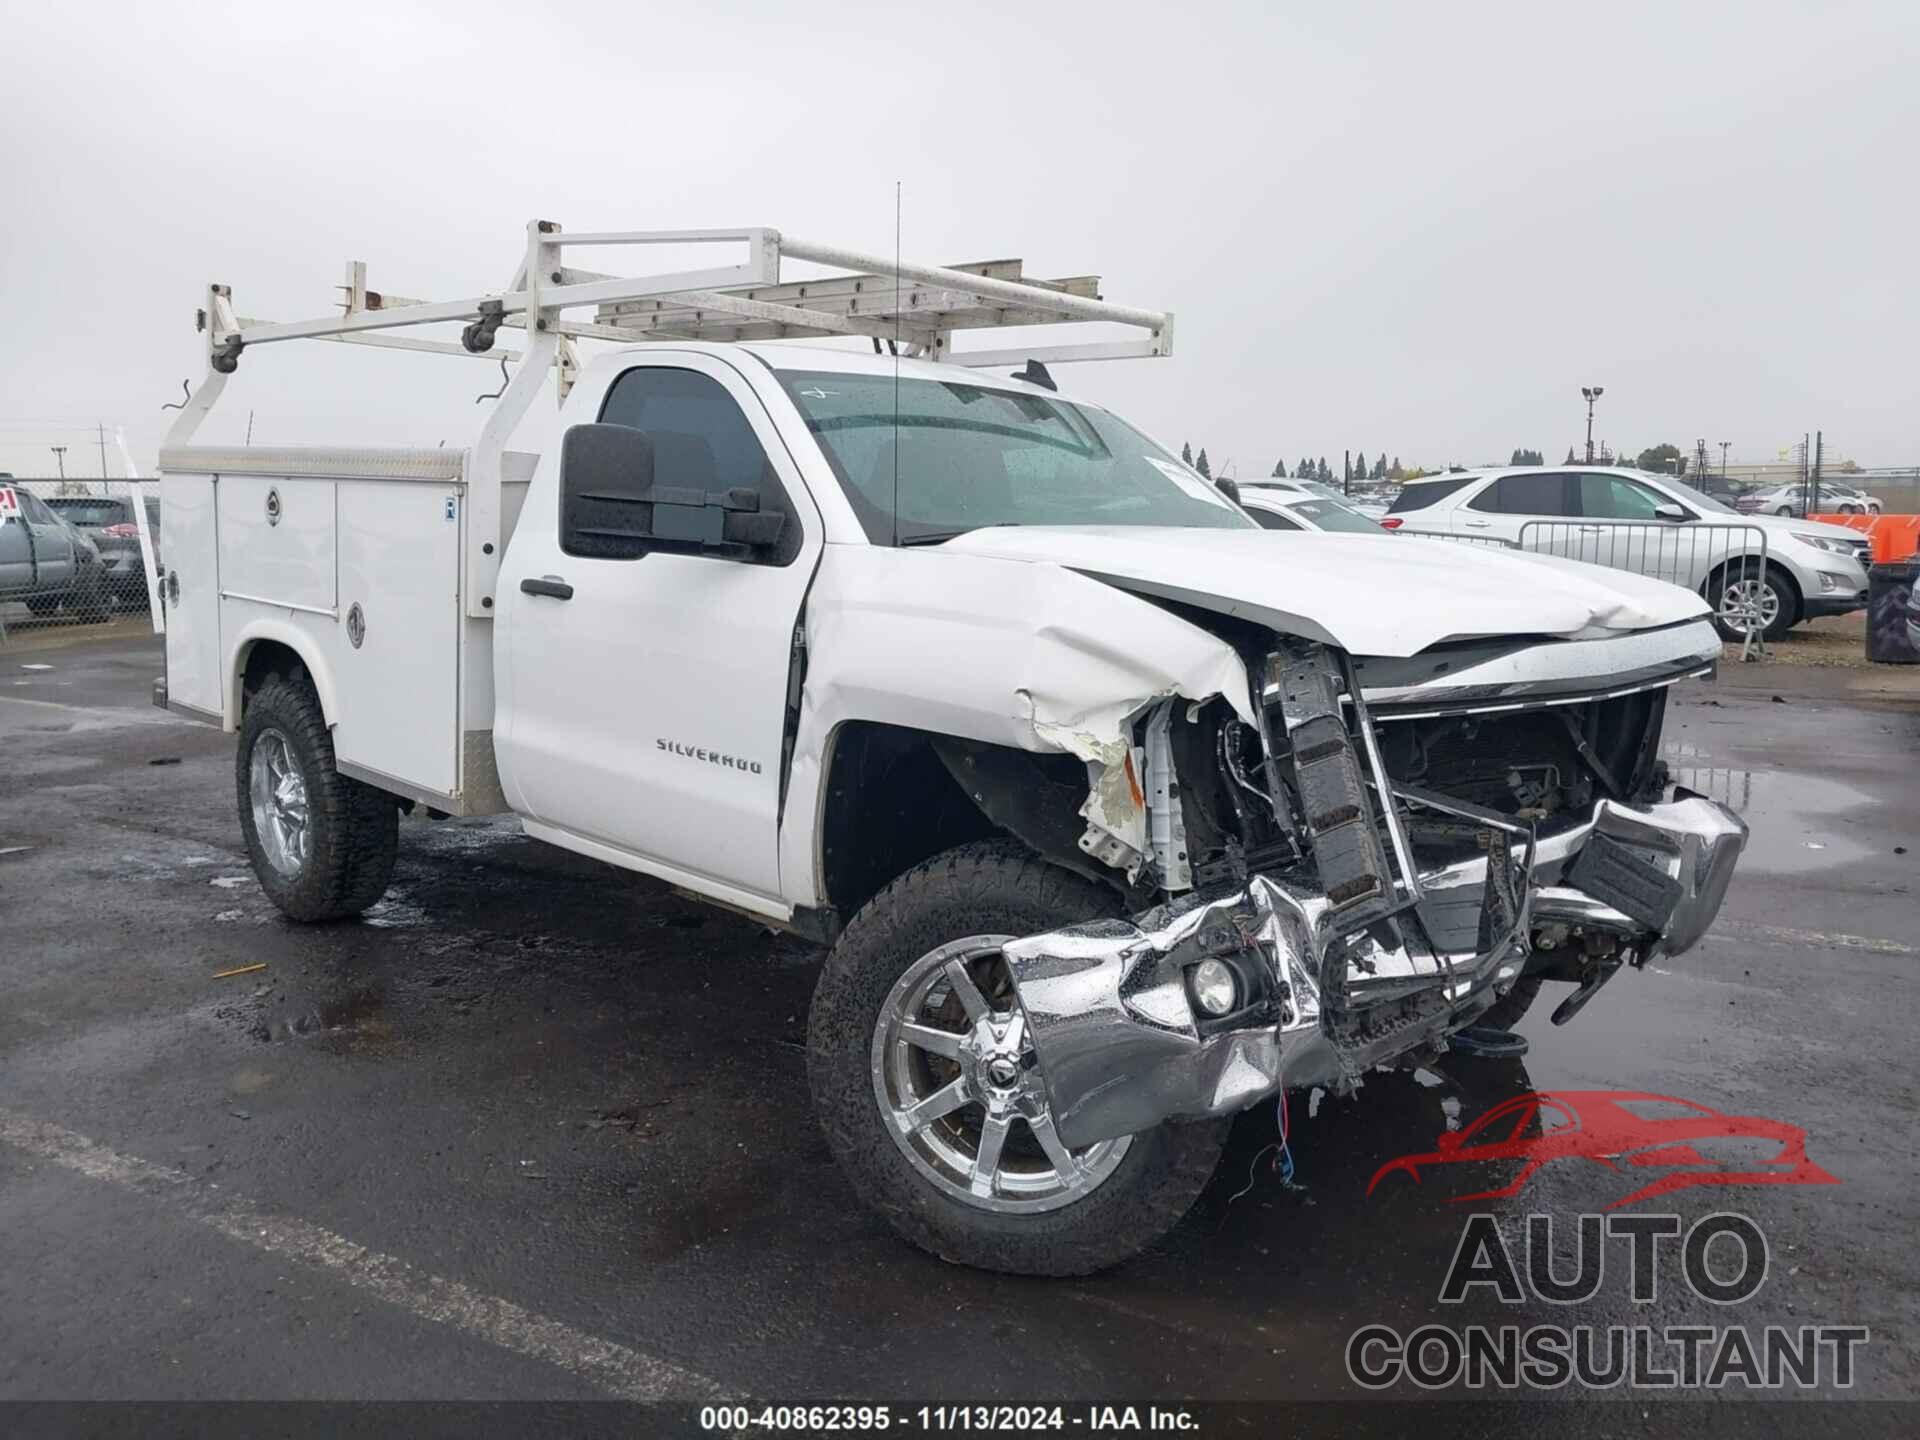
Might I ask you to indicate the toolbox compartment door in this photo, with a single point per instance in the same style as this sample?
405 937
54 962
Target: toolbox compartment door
190 591
399 685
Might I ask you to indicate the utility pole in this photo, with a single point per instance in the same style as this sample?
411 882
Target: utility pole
60 457
101 431
1723 458
1813 492
1592 393
1346 472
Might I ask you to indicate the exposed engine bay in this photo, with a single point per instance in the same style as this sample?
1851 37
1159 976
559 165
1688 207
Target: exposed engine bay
1342 888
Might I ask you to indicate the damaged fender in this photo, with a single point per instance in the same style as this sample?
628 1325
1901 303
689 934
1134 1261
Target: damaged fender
1006 652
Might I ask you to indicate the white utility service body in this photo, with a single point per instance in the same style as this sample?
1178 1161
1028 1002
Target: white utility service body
1120 812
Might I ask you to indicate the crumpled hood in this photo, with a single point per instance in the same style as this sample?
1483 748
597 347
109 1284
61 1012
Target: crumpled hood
1385 595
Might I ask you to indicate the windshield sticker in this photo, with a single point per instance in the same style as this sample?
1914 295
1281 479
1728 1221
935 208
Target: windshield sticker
1198 486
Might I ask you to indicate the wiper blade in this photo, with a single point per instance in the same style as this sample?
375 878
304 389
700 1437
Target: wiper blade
940 537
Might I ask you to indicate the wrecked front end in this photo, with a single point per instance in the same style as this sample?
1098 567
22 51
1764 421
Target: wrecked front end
1365 870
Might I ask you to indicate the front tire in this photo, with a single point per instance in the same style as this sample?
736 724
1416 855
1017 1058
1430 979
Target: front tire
931 1098
1739 598
322 845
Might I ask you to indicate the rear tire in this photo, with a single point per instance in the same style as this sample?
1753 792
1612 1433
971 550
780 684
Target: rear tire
322 845
1136 1188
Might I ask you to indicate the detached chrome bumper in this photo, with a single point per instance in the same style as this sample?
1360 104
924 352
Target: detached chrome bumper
1122 1045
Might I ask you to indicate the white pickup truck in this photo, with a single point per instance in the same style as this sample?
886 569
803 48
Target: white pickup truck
1118 812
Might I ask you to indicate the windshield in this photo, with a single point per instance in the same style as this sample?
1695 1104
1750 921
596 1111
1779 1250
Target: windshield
969 456
1325 491
1332 515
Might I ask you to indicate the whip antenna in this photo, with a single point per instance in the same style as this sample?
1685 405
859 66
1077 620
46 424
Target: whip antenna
896 364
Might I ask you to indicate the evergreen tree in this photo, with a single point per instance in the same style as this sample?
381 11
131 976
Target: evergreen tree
1527 457
1325 475
1186 454
1570 460
1395 471
1201 463
1279 469
1379 471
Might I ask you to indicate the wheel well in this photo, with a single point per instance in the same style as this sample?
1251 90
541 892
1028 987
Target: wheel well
264 658
894 799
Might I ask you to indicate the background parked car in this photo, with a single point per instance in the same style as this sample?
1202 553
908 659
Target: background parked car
1288 509
1314 489
46 562
1811 568
109 522
1835 499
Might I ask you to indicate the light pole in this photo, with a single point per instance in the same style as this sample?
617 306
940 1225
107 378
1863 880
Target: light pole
1592 393
1723 458
60 457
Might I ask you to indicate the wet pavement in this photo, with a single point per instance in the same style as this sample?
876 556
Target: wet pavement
530 1086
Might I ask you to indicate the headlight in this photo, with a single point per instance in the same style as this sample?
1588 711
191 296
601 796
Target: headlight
1214 987
1823 542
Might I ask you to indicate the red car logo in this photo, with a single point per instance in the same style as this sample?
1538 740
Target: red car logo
1626 1131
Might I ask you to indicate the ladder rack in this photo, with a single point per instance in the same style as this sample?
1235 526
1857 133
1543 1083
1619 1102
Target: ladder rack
916 306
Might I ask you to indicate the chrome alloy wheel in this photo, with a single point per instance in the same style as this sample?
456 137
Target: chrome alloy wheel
960 1091
1749 605
279 795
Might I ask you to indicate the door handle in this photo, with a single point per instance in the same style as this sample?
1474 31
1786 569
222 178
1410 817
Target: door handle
1477 524
558 589
1588 529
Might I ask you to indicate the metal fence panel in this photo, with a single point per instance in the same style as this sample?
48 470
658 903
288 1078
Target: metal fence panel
1726 562
77 553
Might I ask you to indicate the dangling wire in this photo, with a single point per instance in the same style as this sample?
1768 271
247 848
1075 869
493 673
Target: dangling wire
503 384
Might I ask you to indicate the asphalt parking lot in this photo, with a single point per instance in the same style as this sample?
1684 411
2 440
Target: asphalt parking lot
538 1129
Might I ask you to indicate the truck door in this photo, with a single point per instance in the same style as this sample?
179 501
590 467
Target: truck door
641 700
53 558
16 546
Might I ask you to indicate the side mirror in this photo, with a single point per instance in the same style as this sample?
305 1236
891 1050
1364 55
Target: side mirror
1669 512
1230 489
610 508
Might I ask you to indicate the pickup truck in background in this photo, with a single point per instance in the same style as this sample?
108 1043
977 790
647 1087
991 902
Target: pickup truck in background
1116 812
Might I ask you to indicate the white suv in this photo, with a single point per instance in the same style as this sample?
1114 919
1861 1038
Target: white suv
1584 513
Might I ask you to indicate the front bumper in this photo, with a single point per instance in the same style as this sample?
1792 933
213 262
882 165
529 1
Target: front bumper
1122 1047
1813 607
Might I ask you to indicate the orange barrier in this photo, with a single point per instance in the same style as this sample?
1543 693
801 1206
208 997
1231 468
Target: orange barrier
1894 537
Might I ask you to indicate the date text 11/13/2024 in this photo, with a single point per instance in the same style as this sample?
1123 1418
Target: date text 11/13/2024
1095 1419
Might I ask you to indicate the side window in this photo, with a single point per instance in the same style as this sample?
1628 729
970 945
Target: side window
1614 497
1534 494
36 509
1270 519
701 441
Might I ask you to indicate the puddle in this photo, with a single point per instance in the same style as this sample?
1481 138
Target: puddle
1798 820
350 1014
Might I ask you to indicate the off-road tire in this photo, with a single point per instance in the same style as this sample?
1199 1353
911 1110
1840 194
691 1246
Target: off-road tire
355 829
988 888
1511 1008
1783 586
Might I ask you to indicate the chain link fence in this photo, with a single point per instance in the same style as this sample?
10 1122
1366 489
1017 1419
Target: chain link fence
76 553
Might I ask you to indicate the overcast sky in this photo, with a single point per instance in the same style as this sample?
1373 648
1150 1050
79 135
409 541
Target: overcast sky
1412 227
